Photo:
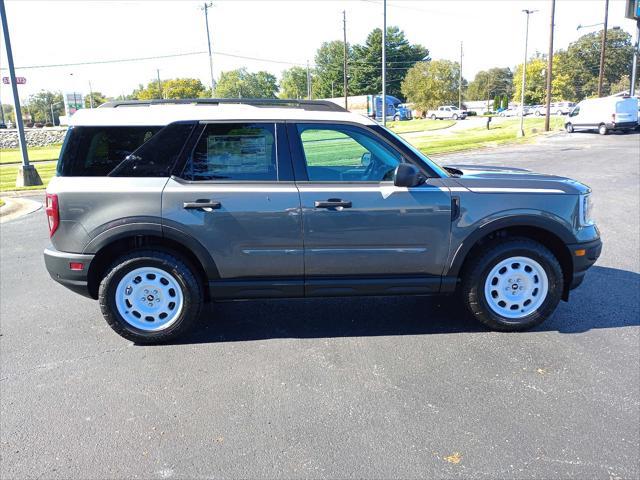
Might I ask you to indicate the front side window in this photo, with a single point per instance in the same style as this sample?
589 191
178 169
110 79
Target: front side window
238 151
342 153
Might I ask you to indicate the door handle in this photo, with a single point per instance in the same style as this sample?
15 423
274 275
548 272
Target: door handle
332 203
205 205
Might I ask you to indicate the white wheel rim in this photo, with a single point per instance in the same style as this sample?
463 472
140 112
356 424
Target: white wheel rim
149 299
516 287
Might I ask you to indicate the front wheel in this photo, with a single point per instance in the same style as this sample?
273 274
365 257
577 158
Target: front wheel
569 128
150 297
433 117
455 116
513 285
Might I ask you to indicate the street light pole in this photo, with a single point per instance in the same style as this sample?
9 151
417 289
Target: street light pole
344 65
90 95
603 47
460 80
206 7
550 67
27 174
524 72
634 67
384 63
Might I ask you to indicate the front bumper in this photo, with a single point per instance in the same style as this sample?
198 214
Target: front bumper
58 265
581 263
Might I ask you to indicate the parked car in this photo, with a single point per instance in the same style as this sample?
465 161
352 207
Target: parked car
3 126
510 112
562 108
159 206
604 115
447 111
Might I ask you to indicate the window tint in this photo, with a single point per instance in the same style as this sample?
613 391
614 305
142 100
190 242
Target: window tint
95 151
347 154
156 157
243 152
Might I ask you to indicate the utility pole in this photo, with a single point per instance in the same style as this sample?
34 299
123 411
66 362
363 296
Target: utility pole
90 95
524 72
634 67
206 7
603 47
2 114
27 174
384 63
159 83
550 66
308 82
460 81
344 60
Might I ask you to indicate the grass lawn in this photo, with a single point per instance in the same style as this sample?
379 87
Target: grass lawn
8 175
36 154
419 125
505 132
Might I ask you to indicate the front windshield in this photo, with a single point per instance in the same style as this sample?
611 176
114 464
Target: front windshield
441 171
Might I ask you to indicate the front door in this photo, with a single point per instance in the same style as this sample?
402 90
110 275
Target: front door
361 233
236 197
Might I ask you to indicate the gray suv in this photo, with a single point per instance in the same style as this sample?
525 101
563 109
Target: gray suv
161 206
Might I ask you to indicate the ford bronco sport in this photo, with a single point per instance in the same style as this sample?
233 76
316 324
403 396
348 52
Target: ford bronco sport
160 206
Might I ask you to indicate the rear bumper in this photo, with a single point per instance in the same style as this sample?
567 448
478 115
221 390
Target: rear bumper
583 262
57 264
621 125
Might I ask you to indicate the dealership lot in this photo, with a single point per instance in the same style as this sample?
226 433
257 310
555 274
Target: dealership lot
375 387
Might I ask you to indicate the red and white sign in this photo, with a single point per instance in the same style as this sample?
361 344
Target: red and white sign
19 80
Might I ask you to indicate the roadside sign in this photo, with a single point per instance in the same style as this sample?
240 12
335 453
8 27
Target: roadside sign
72 103
19 80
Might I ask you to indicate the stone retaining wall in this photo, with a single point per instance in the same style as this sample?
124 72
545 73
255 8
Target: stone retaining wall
36 137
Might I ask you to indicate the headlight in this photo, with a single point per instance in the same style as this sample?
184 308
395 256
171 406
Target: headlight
586 210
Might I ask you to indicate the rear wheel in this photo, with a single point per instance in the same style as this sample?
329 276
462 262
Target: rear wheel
433 117
513 285
455 116
602 129
569 128
150 297
396 118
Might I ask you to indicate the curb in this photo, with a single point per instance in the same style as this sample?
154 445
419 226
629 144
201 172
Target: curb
23 193
17 207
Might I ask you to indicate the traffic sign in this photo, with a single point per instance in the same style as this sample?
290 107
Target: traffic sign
19 80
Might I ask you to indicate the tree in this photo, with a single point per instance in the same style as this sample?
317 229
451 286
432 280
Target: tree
172 88
536 82
496 102
240 83
98 99
39 106
366 69
623 85
504 104
580 63
487 82
294 83
9 116
329 71
429 84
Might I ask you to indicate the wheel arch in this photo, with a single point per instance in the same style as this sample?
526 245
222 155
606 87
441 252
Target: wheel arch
550 234
167 240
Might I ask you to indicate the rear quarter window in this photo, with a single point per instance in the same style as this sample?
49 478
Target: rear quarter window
96 151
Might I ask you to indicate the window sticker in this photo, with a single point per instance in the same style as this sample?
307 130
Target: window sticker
238 153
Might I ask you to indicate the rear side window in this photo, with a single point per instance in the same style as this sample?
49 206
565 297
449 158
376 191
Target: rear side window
156 157
237 151
96 151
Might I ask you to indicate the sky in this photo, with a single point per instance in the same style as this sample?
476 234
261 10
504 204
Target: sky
275 34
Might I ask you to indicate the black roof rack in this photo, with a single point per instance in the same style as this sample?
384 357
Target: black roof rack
311 105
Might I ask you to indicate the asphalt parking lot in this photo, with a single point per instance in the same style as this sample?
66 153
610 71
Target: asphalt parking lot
398 387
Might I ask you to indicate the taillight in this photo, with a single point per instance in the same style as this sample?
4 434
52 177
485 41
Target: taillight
613 117
53 214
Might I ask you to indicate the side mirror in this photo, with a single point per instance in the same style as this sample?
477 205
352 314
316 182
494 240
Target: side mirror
406 175
365 160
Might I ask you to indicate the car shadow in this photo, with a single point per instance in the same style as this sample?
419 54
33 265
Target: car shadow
608 298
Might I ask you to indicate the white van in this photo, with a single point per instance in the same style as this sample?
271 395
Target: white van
604 114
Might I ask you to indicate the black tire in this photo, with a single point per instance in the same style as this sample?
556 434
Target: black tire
475 275
455 116
396 118
569 128
602 129
190 284
433 117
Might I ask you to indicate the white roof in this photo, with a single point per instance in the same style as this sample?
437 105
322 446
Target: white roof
160 114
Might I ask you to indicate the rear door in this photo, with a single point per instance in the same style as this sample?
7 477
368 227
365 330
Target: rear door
235 195
361 233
